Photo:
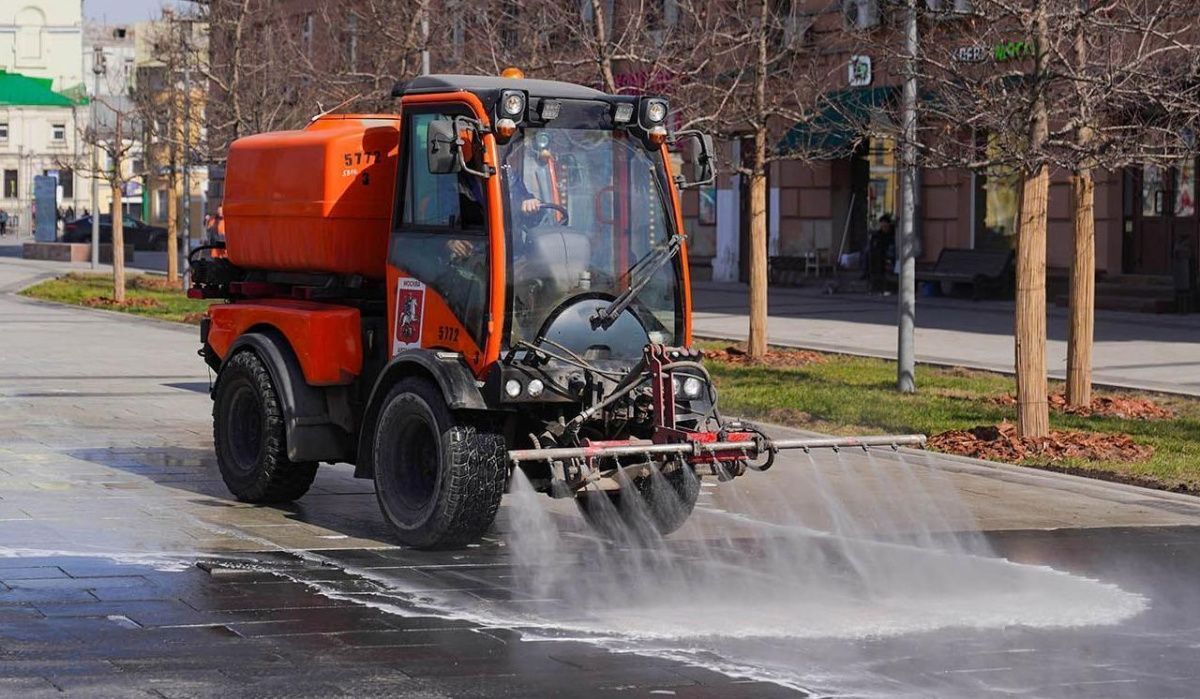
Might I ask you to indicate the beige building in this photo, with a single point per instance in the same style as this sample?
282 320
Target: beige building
42 39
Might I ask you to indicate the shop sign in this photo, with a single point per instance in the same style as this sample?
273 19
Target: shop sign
969 54
860 71
1012 51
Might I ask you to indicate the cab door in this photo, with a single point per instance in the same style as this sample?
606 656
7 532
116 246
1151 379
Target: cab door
440 250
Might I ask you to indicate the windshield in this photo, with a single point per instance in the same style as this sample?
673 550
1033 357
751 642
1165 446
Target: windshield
584 206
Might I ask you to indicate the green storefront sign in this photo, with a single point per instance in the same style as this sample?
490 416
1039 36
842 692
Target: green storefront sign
1012 51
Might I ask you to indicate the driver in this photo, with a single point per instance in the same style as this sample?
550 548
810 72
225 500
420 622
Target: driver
472 197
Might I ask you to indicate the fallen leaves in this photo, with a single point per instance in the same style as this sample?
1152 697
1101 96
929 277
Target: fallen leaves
1105 406
1001 443
131 302
774 358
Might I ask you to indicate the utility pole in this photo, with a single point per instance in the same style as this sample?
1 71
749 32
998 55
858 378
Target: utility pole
907 244
98 63
187 160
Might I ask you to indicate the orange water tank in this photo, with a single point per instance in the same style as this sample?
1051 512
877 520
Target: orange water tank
314 200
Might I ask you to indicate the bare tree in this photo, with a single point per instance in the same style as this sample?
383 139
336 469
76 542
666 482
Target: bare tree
1133 93
171 108
115 137
757 80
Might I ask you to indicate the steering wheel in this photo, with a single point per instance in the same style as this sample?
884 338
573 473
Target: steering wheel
555 207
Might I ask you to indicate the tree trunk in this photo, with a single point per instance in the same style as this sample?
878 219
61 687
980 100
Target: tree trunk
118 225
1033 412
173 230
118 245
1083 289
757 344
1083 257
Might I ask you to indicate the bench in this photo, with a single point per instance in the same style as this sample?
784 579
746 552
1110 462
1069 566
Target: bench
983 270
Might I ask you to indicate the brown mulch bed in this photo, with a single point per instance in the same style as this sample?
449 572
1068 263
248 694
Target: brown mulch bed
1105 406
773 358
133 302
1001 443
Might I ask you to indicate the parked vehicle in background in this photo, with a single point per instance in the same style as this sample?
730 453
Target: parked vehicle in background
138 233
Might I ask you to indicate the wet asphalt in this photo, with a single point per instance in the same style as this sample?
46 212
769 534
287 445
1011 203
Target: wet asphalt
126 569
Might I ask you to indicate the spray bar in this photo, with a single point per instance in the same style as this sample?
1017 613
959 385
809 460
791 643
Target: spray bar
749 448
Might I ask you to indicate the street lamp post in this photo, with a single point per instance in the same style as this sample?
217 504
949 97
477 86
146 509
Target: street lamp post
98 65
187 160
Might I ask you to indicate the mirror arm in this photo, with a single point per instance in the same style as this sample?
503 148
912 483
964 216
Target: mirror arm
478 128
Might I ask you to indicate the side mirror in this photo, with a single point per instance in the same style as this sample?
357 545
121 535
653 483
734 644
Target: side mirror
699 159
444 150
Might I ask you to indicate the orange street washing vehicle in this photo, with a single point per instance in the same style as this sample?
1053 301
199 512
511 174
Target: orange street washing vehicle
494 278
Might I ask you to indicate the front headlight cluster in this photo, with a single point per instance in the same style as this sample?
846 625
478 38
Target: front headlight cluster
514 389
690 388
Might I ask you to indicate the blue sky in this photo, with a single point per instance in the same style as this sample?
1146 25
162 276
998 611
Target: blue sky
122 10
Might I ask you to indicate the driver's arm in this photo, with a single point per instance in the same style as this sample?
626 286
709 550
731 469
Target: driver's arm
529 203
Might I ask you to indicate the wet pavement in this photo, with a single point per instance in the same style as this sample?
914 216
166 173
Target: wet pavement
126 569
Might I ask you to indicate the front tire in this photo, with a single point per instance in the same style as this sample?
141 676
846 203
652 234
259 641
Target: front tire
249 436
438 478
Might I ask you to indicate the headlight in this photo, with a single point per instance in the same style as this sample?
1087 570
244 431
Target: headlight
656 111
692 387
512 387
535 388
512 103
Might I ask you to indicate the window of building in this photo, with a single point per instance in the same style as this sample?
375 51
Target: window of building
997 198
58 132
306 33
160 205
1154 191
3 130
352 42
11 188
66 180
1185 190
883 182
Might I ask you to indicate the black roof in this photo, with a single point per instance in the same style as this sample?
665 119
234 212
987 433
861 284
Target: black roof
489 84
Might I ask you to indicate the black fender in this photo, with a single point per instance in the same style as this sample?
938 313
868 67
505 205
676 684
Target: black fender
446 369
310 432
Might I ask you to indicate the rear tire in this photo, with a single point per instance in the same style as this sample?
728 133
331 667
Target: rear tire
649 509
438 478
249 436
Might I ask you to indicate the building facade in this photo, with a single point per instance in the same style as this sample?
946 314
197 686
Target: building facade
42 106
1145 217
42 39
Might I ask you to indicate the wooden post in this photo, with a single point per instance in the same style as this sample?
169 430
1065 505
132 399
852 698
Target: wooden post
1083 289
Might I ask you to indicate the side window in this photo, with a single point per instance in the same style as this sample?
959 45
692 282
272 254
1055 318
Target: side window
442 201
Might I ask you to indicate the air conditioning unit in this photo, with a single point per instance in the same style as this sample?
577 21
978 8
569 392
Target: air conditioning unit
861 14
